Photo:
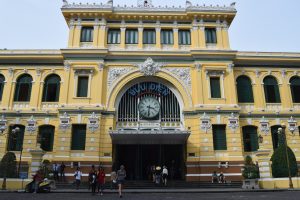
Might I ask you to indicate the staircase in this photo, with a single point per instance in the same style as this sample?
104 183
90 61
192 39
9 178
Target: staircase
171 185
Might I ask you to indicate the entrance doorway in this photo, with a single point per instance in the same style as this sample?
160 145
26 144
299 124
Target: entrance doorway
138 160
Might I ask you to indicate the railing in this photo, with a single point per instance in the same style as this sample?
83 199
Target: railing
49 105
247 107
149 125
21 105
273 107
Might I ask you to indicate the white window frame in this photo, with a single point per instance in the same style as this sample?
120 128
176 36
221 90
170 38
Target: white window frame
216 74
83 73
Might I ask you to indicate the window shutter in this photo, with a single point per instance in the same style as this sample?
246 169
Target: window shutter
47 137
210 35
184 37
219 137
250 138
78 137
215 87
82 87
244 90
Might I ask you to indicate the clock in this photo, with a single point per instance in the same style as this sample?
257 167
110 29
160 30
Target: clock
149 107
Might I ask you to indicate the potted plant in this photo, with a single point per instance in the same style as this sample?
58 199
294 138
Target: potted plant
250 174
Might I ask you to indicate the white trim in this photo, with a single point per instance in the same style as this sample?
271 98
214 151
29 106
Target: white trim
278 179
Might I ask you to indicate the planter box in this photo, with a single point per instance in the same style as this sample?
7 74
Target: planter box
250 184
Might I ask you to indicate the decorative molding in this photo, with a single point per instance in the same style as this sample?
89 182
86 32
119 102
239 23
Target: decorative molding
198 66
100 66
115 73
10 71
210 73
64 121
233 122
230 67
283 73
93 122
264 125
3 124
292 125
149 67
257 73
31 125
83 71
67 66
38 71
183 74
205 122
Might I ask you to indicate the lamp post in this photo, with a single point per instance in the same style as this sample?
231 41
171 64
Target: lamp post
281 130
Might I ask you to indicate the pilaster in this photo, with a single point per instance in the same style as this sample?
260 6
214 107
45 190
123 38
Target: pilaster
71 34
176 38
158 37
219 37
202 40
140 39
96 34
122 44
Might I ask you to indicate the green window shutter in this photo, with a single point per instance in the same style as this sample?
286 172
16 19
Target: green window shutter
51 89
15 142
23 89
46 133
219 137
149 37
2 80
78 137
167 37
131 36
87 34
211 35
114 36
184 37
244 90
272 94
250 138
82 87
215 88
295 89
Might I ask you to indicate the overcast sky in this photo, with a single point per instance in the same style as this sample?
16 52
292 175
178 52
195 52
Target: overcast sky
260 25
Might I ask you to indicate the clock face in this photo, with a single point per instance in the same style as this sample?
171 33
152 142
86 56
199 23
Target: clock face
149 107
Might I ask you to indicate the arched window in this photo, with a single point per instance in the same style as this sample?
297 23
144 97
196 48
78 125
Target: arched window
51 89
271 89
295 89
250 138
275 138
15 138
2 80
23 88
244 90
46 137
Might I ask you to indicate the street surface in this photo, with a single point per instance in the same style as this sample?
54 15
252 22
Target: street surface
288 195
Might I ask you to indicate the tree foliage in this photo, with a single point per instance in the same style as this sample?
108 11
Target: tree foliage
279 162
8 166
250 170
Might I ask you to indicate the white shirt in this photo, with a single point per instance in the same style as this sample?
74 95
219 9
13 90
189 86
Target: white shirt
165 171
78 175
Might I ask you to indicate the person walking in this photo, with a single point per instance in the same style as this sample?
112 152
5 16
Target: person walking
101 180
113 179
121 175
165 175
55 168
62 172
90 177
78 175
94 182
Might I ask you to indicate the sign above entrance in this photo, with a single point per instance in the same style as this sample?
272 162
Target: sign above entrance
149 87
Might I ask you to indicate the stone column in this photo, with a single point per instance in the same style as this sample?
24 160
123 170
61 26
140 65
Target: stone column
123 38
96 33
158 39
219 37
263 158
226 44
176 38
140 38
195 37
71 33
36 160
77 34
102 39
202 39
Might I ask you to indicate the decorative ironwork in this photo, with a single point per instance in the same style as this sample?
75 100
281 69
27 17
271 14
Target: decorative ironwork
64 121
93 122
205 122
149 67
31 125
264 126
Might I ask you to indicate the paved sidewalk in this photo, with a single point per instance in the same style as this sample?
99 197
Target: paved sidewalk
226 190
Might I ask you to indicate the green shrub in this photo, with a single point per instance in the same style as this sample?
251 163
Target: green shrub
250 170
8 166
279 162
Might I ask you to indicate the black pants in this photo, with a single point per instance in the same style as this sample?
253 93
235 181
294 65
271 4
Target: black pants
94 187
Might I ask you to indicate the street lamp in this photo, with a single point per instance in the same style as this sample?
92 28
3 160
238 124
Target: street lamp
281 130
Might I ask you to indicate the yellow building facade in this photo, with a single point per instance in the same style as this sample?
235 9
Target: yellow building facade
144 86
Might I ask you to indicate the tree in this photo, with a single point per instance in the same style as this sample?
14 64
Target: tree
251 171
280 167
8 167
279 162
